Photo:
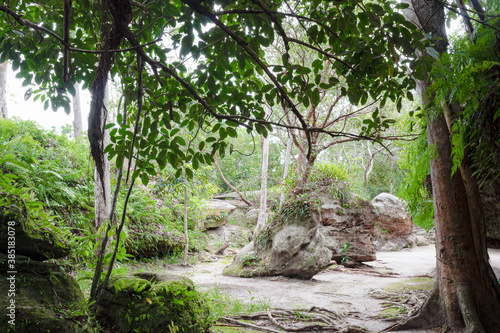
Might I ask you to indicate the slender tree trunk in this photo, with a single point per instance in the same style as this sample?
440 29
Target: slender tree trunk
102 187
261 221
186 237
286 166
77 113
242 197
3 90
466 296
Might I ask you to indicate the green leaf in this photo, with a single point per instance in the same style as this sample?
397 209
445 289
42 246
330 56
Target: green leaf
145 178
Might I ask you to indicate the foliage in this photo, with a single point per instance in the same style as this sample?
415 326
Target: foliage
469 76
415 189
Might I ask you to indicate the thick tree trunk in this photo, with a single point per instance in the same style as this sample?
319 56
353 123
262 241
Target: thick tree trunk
466 295
3 91
77 113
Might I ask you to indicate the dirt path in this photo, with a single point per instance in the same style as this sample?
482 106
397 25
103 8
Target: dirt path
340 290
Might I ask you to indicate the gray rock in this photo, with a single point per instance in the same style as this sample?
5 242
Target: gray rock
42 292
152 302
252 216
394 219
218 212
32 238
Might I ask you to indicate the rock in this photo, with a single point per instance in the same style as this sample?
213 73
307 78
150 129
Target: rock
43 292
421 241
153 302
350 223
32 238
290 245
394 219
252 216
234 235
218 213
151 240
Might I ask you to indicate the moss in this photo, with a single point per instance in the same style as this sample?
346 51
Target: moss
149 302
418 283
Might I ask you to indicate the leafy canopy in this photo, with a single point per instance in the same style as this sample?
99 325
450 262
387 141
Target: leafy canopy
204 66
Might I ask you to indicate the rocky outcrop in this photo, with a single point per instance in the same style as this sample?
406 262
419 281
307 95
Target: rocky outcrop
152 240
290 245
151 302
348 225
42 292
39 242
218 212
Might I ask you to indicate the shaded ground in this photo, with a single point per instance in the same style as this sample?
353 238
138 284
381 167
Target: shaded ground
371 297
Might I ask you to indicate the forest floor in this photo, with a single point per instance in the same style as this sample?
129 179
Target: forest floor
372 297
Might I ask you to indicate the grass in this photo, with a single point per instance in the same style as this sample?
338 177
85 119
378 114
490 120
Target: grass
223 305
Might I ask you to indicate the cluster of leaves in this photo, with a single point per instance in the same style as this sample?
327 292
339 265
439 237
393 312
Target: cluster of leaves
335 178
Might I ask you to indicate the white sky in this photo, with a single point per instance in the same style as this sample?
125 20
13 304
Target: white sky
30 110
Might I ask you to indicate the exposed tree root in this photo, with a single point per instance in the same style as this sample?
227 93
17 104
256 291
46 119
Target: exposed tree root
299 320
429 315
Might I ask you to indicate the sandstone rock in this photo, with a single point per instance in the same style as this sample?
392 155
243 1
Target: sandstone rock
152 302
151 240
351 223
42 292
394 219
33 239
421 241
218 213
252 216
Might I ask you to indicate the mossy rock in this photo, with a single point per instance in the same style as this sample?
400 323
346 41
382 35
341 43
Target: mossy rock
39 242
43 292
151 302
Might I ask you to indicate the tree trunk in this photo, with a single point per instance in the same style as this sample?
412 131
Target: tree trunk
242 197
466 296
286 166
186 237
102 187
261 222
77 113
3 90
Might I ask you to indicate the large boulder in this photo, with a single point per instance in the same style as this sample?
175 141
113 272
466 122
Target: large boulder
44 297
394 218
290 245
394 229
218 212
35 239
152 302
348 227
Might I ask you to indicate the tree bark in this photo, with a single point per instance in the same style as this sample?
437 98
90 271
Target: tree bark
186 236
77 113
261 221
3 91
466 295
102 184
242 197
286 165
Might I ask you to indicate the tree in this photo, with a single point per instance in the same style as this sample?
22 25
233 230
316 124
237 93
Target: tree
3 90
466 296
77 113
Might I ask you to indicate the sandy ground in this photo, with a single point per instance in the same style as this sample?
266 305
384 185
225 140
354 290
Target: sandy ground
343 291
